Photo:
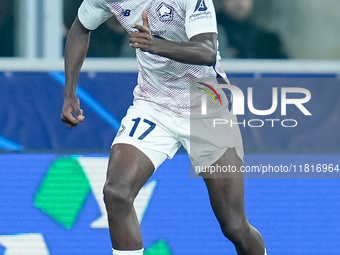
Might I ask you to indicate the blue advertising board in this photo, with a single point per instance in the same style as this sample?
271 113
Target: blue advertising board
31 102
52 204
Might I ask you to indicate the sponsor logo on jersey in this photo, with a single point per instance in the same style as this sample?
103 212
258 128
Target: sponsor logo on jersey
201 12
165 12
126 12
200 6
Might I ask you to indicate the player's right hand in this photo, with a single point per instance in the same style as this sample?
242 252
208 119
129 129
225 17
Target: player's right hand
71 114
143 39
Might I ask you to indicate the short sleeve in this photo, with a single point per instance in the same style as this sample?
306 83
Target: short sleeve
92 13
200 16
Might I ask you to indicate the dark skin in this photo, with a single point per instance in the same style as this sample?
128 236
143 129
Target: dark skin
76 47
129 168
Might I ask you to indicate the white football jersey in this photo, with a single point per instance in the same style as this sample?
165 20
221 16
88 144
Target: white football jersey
172 87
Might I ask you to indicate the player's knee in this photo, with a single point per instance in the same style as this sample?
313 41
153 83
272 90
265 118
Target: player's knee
117 195
236 230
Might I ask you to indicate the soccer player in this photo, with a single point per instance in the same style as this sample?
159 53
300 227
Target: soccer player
176 48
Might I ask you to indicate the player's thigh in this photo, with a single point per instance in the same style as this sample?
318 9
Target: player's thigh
228 166
128 169
226 191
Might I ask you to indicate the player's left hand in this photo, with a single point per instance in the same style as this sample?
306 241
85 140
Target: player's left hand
143 39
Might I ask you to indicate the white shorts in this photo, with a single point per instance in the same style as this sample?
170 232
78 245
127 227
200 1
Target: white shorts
159 135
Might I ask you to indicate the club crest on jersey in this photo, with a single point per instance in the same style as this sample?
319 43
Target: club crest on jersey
121 130
200 6
165 12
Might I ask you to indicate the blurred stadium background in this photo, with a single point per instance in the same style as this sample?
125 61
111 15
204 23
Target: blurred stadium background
51 177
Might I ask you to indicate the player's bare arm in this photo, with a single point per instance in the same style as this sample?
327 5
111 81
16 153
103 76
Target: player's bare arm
200 50
75 51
